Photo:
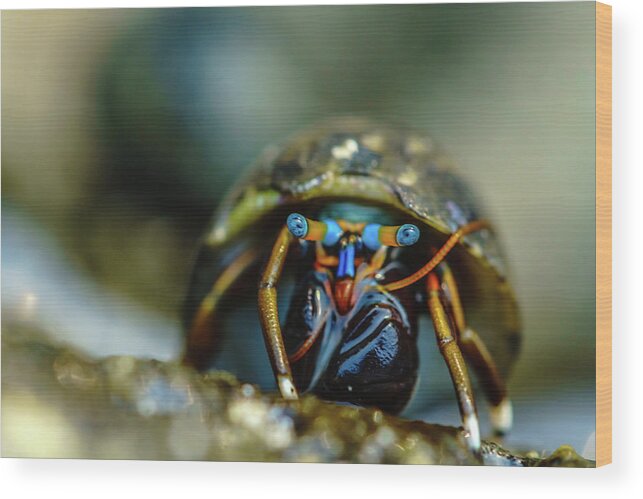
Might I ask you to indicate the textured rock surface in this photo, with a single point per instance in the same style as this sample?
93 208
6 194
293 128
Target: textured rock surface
57 403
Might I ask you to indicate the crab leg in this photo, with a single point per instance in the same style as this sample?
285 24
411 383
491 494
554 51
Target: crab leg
202 335
477 354
439 255
269 315
455 362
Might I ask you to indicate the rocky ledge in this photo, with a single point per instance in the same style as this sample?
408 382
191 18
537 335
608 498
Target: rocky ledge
59 403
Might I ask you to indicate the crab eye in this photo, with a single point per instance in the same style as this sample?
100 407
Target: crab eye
328 231
376 235
407 235
297 225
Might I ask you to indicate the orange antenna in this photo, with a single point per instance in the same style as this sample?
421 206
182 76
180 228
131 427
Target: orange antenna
439 255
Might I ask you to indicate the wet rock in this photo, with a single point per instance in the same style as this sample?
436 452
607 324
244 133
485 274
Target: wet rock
59 403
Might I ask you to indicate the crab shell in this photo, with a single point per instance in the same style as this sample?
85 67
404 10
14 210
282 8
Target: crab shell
396 169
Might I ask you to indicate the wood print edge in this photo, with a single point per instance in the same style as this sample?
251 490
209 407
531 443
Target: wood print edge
603 234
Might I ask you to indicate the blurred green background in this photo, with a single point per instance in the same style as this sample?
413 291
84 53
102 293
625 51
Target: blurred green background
121 129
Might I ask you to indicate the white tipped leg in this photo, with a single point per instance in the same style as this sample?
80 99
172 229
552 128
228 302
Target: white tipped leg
502 417
472 428
287 388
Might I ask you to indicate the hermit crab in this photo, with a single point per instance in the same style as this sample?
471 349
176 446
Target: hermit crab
376 227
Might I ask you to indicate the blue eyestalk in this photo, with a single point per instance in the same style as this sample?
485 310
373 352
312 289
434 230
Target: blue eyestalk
333 233
371 236
375 235
327 231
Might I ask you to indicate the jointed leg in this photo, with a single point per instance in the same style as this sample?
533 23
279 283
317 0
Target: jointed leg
479 357
444 330
203 335
269 315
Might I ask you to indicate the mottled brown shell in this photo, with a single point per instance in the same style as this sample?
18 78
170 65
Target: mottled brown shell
400 169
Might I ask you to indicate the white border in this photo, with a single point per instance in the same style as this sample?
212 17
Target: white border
79 4
110 479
